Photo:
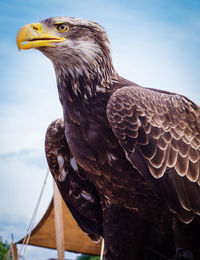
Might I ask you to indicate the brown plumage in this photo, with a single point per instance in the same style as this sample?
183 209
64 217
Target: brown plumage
126 158
72 182
165 134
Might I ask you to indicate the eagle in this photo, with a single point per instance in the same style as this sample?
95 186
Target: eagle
125 158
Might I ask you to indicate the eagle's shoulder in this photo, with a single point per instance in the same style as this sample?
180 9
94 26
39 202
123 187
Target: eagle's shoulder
160 134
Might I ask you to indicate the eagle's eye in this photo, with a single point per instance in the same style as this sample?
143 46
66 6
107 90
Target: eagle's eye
63 27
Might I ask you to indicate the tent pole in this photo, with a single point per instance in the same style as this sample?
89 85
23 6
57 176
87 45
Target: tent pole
14 251
102 249
59 223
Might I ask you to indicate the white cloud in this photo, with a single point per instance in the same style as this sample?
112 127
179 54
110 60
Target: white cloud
25 120
22 177
156 55
44 254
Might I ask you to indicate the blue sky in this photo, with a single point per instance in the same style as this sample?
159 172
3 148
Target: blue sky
155 43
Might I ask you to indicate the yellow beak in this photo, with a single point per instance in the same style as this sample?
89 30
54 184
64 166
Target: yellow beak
36 35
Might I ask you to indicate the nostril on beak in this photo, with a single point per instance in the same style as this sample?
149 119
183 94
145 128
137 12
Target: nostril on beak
35 28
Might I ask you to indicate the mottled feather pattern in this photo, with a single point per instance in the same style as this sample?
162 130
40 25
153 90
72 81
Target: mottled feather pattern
77 191
164 128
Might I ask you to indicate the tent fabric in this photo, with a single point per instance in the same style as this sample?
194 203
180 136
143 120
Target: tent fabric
75 240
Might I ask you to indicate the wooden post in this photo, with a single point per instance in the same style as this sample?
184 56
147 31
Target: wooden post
102 249
58 216
14 251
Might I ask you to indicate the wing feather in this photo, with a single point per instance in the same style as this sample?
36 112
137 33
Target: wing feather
77 191
165 130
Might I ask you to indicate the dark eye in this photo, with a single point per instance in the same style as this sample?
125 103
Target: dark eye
62 27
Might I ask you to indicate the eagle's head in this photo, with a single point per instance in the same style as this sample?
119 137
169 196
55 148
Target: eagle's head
75 46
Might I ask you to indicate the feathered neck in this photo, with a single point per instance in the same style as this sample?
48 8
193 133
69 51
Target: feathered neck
81 75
